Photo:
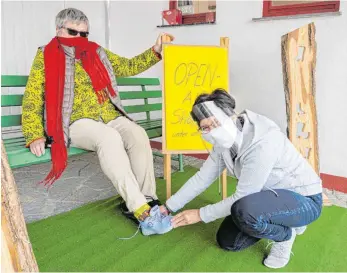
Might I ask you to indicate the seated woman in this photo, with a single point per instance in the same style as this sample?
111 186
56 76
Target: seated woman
278 192
72 99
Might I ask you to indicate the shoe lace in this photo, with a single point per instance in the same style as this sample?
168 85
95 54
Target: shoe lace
128 238
157 217
278 249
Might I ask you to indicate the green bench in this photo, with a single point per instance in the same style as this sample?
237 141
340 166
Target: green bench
20 156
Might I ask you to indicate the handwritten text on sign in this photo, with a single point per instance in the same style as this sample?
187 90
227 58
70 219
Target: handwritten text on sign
195 79
193 71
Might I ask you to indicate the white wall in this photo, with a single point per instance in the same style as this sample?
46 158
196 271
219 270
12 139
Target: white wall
255 61
255 54
26 25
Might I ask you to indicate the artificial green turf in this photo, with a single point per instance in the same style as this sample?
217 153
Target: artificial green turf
86 239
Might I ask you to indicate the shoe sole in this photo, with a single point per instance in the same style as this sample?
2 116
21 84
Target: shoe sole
300 233
273 267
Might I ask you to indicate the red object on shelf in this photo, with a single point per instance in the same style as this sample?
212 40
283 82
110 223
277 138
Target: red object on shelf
210 17
172 17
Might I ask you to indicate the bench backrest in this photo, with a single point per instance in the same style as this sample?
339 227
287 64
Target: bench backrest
146 107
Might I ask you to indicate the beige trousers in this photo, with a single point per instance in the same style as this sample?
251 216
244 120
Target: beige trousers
124 153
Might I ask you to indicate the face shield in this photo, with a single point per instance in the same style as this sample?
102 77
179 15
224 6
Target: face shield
219 127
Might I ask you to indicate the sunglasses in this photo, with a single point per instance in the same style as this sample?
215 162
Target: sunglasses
74 32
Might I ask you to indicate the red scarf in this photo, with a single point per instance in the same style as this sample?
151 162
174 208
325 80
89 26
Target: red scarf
54 59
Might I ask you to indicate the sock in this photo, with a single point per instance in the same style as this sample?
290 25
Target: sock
142 212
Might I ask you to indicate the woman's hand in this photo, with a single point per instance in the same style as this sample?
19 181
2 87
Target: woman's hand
158 44
187 217
37 147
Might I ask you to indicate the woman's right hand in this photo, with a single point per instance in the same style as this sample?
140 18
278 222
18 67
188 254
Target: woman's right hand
37 147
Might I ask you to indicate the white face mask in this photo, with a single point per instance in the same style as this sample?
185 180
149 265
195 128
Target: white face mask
208 137
223 136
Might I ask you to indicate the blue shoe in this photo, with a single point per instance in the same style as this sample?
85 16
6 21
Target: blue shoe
156 223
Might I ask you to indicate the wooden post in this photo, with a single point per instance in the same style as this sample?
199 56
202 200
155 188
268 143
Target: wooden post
167 174
164 163
165 39
298 63
224 42
13 225
224 184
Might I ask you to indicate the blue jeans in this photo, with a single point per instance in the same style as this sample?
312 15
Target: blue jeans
267 215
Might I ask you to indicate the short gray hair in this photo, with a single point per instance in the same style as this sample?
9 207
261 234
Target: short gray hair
70 15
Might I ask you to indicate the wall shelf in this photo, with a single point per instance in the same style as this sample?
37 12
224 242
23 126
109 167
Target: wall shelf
187 25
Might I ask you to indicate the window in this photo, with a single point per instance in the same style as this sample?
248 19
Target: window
283 8
195 11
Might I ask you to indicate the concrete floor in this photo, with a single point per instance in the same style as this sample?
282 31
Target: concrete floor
84 182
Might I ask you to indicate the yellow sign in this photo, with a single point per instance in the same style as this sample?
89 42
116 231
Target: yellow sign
188 72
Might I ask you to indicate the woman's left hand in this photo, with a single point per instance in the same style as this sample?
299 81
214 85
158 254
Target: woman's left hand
158 44
186 217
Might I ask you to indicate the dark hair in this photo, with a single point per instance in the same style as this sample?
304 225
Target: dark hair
221 98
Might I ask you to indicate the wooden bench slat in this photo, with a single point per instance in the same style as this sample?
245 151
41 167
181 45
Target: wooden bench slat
16 100
26 158
11 100
20 156
153 133
20 81
16 144
143 108
129 95
16 120
13 120
145 122
141 121
13 81
13 140
16 149
151 125
19 143
137 81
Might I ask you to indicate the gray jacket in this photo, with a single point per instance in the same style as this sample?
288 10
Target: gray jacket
266 160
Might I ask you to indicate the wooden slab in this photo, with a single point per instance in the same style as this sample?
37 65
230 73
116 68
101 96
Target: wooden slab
13 226
298 62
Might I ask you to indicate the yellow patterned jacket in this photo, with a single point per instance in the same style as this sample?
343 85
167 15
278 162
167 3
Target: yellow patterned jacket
85 104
